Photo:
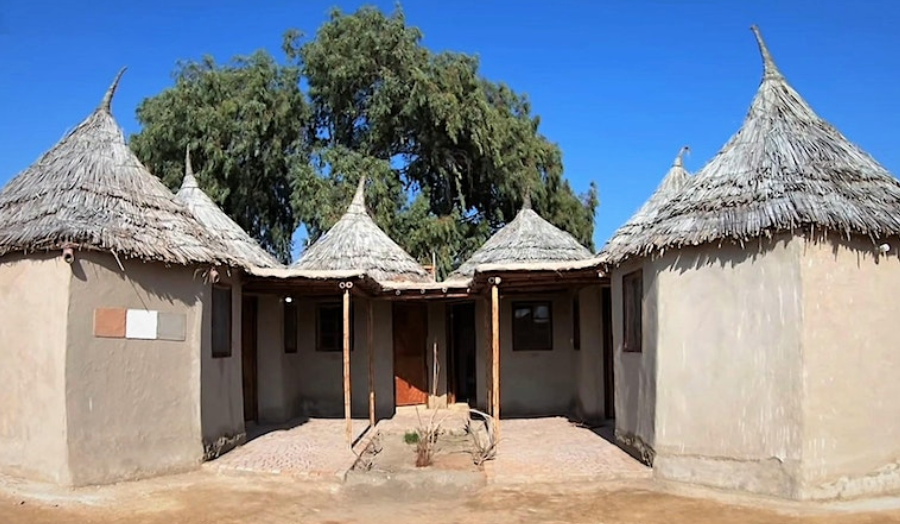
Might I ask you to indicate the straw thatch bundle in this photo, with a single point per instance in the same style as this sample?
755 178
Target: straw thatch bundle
219 225
528 239
786 169
90 192
355 242
624 238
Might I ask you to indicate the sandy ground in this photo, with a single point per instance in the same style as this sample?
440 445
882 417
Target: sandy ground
209 497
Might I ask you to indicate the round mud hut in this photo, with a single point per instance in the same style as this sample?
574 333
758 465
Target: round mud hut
109 313
754 311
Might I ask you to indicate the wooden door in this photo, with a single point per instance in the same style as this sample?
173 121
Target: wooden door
410 326
248 359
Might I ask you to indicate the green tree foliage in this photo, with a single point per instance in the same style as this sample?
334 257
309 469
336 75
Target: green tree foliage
450 155
246 123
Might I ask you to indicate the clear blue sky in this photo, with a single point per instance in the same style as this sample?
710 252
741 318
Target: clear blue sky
619 85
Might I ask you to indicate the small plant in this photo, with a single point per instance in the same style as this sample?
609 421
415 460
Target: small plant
485 447
411 437
427 435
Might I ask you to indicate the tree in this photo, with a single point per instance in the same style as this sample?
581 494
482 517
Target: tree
452 154
245 123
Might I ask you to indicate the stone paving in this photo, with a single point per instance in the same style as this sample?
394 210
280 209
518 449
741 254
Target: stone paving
533 450
313 449
554 449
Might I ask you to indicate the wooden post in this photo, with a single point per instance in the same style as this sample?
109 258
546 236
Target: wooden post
370 349
487 356
346 286
495 355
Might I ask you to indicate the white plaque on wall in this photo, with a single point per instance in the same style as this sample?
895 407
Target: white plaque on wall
141 324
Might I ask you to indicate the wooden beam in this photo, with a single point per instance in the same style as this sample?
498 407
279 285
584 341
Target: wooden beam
370 349
419 296
495 355
347 286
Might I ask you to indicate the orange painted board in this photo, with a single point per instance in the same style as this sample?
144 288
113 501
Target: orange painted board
109 322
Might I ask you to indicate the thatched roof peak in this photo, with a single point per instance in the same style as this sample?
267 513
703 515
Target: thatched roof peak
526 201
90 192
770 70
189 181
106 103
679 158
356 243
623 239
358 204
786 169
528 239
218 225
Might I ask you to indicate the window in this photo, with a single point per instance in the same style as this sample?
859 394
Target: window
290 327
576 323
330 327
633 300
532 326
221 321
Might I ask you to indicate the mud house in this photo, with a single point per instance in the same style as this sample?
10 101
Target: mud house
541 343
109 315
737 327
326 339
635 392
221 369
754 312
411 340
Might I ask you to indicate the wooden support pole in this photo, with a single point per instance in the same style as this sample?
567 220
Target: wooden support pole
370 349
487 356
495 355
346 286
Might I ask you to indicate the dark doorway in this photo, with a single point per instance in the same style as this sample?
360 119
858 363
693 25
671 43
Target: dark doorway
462 351
248 359
410 365
609 384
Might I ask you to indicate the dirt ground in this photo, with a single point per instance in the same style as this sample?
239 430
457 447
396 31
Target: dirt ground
207 497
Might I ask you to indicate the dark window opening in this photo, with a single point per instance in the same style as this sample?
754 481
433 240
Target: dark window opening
221 321
532 326
330 327
290 327
633 300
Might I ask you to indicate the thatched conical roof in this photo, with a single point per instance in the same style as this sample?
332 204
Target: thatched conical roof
219 225
355 242
528 239
785 169
90 192
624 237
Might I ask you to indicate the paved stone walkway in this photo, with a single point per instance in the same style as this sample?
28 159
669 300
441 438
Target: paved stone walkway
556 450
547 450
313 449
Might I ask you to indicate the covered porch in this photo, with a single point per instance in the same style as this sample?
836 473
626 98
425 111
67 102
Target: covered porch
525 340
328 345
544 341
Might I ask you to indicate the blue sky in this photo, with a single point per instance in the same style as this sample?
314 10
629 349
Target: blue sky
619 85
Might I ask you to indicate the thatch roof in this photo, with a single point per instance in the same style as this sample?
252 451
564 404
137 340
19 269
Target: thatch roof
90 192
623 239
219 225
355 242
786 169
528 239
